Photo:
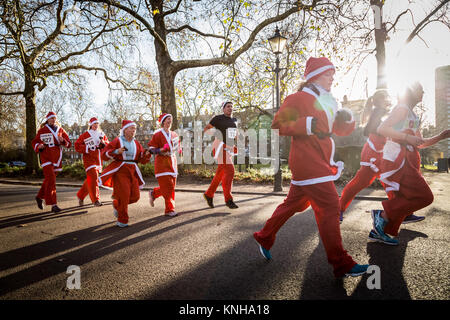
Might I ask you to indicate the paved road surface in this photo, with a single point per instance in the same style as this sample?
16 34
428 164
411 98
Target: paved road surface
206 254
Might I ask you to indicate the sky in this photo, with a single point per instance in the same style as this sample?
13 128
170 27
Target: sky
415 61
405 62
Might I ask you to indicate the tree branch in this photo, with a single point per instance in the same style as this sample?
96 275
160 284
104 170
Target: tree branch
195 31
135 15
52 36
186 64
11 93
418 28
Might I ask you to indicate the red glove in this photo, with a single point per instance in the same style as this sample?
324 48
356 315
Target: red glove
165 148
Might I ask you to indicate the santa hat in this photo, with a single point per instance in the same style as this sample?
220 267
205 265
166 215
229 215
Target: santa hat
225 103
92 121
163 117
50 115
127 123
316 66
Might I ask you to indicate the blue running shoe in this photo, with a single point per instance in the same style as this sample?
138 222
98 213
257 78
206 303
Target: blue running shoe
266 253
357 270
122 225
413 218
341 217
378 222
374 237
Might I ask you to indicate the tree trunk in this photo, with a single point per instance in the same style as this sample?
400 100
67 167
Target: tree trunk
30 113
167 83
380 39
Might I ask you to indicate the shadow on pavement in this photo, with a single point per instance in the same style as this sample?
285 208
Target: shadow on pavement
240 272
390 259
27 218
86 245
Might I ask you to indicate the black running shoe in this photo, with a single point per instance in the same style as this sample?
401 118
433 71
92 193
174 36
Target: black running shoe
55 209
209 201
230 204
39 203
97 204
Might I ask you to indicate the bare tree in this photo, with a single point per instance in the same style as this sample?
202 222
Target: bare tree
183 23
38 43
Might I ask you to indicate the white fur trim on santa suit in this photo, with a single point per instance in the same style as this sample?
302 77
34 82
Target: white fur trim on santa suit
370 164
372 146
50 116
309 126
318 71
339 165
120 166
393 186
172 154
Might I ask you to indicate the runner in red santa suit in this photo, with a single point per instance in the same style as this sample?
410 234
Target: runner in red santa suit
400 167
165 144
224 148
123 174
377 106
90 144
310 116
48 144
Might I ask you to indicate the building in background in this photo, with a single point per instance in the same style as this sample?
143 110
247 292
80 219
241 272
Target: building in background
442 101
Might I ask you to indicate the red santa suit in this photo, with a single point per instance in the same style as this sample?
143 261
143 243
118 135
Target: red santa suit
165 165
89 144
123 174
400 173
308 116
371 156
50 157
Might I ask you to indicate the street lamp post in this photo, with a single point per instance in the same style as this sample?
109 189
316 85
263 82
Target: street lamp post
277 43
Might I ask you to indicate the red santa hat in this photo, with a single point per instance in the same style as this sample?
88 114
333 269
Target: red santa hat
92 121
316 66
127 123
50 115
163 117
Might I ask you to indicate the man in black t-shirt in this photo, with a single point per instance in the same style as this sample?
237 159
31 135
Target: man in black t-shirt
223 149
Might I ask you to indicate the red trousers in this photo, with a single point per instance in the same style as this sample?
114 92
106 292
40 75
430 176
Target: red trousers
125 190
324 200
48 187
363 178
166 189
414 194
224 174
90 186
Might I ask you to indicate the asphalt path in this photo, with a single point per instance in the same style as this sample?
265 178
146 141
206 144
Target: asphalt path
210 254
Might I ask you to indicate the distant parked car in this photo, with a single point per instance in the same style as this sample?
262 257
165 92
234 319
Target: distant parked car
17 164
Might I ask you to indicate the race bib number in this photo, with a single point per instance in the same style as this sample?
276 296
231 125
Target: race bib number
89 142
47 139
175 144
232 133
391 150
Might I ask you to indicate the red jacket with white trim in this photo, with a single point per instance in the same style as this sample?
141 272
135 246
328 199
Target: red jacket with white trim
311 158
89 148
165 165
52 153
106 177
